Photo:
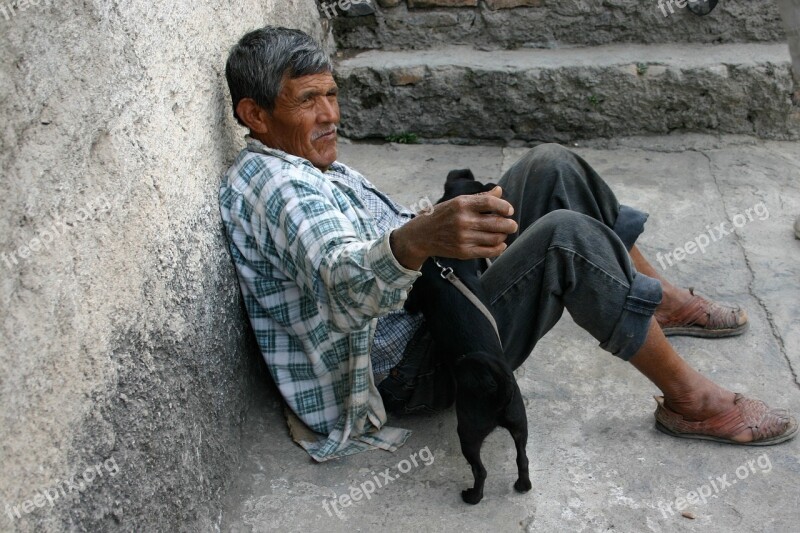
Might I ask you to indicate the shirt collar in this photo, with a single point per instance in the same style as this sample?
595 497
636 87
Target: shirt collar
254 145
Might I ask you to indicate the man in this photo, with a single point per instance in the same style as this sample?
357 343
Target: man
325 262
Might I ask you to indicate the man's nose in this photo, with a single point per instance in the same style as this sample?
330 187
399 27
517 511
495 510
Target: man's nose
328 111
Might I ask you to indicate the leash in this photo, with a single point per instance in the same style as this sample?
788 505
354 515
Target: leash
448 274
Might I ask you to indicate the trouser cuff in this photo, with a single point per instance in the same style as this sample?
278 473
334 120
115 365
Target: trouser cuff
629 225
631 329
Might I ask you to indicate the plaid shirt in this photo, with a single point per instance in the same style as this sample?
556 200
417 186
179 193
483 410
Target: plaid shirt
316 271
395 330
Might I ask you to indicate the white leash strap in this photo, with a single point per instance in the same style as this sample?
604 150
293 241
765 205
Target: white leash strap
448 274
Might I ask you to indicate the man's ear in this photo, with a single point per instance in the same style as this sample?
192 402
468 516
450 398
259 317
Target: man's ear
253 115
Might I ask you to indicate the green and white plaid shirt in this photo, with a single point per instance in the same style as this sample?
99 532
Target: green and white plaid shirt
315 274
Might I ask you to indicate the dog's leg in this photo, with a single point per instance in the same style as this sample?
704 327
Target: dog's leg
472 452
517 424
523 484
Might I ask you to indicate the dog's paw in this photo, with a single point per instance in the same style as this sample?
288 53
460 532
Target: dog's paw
471 496
522 485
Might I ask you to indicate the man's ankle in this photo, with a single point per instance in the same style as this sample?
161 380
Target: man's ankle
672 299
701 403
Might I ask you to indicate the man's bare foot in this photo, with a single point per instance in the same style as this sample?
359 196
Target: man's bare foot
698 398
701 404
673 299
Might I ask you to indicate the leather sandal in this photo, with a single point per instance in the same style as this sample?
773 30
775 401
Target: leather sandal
769 426
722 320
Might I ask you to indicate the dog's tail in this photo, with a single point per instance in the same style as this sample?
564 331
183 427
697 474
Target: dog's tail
482 375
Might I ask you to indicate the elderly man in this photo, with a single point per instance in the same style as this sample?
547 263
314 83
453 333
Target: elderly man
325 262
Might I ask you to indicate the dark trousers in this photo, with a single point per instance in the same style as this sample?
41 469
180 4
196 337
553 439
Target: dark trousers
571 251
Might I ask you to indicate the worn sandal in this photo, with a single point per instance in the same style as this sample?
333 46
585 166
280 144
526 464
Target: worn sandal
769 426
722 320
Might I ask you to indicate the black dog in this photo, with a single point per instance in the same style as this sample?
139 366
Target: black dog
487 394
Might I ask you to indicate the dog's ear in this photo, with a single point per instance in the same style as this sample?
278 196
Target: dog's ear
460 175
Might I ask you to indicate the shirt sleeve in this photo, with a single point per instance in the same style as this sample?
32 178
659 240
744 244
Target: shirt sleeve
353 280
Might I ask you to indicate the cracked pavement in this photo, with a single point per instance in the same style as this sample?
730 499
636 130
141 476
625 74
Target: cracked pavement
597 463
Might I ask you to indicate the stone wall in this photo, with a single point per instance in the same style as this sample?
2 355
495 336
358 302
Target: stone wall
125 357
493 24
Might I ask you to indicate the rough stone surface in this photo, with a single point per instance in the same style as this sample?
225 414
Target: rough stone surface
510 4
565 94
407 76
559 23
441 3
597 463
122 334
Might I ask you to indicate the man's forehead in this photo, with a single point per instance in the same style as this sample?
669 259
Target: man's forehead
322 82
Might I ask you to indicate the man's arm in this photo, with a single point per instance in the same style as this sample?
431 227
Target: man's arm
301 226
466 227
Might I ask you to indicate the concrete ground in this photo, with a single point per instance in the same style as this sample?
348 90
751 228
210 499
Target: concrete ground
597 463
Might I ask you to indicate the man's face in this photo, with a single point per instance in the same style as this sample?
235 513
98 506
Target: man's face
305 118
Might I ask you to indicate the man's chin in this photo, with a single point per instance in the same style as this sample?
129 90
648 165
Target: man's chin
326 157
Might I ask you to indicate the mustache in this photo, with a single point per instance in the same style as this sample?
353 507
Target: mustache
319 134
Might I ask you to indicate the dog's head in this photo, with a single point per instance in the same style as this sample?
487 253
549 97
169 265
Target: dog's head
461 182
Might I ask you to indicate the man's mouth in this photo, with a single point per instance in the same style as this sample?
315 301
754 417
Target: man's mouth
324 134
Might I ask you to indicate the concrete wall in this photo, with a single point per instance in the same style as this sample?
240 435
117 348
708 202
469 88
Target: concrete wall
124 352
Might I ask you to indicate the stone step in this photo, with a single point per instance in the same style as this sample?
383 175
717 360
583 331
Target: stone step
492 24
464 95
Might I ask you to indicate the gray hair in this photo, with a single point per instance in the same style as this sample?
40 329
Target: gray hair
258 63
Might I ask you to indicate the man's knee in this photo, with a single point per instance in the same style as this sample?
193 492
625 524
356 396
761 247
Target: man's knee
551 150
565 222
548 153
542 164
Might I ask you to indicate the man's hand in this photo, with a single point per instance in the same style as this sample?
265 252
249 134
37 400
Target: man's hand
466 227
